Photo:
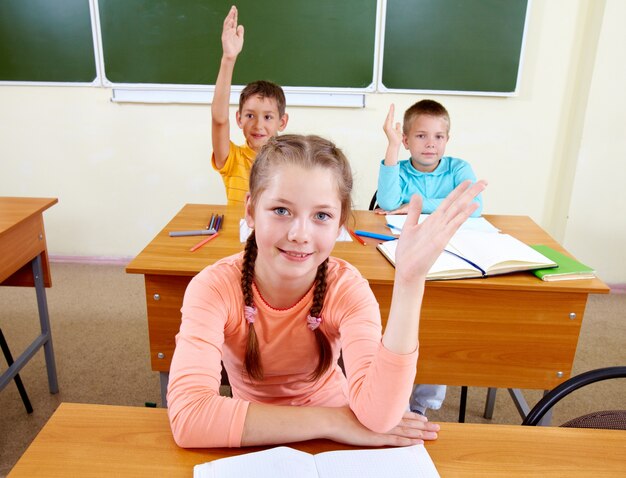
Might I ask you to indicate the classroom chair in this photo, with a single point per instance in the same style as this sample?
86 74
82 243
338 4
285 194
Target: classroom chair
17 378
373 202
609 419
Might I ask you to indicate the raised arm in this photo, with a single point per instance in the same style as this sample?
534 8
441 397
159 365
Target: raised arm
419 247
394 137
232 44
389 190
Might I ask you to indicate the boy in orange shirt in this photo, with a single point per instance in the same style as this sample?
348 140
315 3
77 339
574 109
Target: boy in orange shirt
261 116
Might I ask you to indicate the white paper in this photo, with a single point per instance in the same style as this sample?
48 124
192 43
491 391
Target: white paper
472 223
284 462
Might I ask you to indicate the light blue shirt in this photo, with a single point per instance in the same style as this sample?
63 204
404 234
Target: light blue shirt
396 184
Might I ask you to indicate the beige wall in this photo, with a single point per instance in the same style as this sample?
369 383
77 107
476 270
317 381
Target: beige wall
121 171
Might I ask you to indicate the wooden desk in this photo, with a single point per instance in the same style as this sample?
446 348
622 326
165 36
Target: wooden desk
103 440
510 331
24 262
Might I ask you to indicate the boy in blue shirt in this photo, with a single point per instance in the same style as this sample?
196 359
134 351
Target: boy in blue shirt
425 133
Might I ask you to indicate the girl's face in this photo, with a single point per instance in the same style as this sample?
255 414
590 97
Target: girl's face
296 221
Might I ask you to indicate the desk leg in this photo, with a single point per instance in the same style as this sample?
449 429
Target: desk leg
165 378
490 402
44 339
44 320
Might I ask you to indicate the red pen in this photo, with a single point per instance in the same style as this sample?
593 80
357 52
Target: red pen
356 238
203 242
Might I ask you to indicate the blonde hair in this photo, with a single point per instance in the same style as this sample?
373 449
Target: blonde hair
307 152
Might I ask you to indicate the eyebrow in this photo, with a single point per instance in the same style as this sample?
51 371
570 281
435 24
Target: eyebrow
289 203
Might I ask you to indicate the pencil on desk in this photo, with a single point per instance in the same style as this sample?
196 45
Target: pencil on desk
357 238
203 242
210 224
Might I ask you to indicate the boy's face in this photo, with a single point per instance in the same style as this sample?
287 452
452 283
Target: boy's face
259 119
426 140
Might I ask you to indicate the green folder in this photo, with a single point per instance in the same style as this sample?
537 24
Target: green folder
568 268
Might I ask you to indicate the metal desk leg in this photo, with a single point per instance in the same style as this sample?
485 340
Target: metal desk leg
463 404
490 402
44 320
165 378
18 381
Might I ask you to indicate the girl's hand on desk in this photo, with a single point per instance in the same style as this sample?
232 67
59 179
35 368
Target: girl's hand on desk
413 429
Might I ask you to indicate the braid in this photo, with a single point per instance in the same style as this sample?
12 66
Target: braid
252 360
325 351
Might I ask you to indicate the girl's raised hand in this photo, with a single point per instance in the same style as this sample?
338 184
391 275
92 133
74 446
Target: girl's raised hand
421 244
232 35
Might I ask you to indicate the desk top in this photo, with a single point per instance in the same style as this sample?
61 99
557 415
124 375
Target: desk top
22 238
166 255
103 440
13 210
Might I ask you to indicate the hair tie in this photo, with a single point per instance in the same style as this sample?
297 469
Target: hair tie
249 312
313 322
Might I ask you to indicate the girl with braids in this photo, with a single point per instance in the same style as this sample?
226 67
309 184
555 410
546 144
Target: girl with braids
279 314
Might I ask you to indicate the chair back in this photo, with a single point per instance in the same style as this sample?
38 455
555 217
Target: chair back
373 204
574 383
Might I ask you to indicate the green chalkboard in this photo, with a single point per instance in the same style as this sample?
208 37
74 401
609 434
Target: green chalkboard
298 43
46 41
453 45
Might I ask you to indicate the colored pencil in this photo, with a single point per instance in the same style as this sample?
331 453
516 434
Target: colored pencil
356 238
203 242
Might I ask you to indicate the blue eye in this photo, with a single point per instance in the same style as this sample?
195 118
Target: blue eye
322 216
281 211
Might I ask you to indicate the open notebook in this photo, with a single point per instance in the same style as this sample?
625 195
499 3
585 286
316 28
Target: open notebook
477 254
284 462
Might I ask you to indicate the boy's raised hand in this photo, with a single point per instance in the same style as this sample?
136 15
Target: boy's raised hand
393 131
421 244
232 35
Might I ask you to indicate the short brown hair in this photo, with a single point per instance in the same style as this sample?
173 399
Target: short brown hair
424 107
264 89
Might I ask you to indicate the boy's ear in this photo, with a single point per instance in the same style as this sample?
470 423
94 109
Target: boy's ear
405 141
284 119
248 211
238 119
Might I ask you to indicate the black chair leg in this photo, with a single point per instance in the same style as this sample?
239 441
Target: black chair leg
18 380
463 404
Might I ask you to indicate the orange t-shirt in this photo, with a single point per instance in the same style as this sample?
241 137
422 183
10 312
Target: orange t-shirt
213 328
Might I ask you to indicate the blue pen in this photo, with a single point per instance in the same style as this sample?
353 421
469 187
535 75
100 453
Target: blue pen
373 235
391 226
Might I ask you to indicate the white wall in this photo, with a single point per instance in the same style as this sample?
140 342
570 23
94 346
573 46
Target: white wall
596 226
121 171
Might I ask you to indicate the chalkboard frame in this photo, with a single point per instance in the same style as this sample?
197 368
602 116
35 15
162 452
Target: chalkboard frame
376 85
381 88
97 80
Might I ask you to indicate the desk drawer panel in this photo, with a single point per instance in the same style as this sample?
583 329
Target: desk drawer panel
164 298
499 338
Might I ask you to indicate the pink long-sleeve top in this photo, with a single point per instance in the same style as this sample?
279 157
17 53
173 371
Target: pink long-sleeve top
214 329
